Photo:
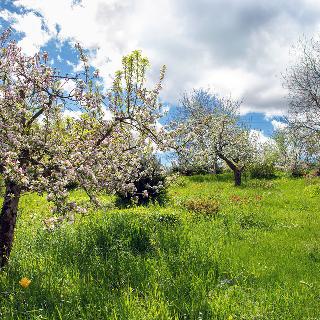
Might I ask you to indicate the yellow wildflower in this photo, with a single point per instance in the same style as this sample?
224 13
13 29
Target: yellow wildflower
24 282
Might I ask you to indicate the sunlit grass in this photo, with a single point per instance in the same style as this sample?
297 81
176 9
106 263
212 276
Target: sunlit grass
258 257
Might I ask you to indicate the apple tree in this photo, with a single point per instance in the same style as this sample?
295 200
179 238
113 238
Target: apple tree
42 150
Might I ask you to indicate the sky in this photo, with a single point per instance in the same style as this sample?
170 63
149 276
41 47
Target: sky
237 48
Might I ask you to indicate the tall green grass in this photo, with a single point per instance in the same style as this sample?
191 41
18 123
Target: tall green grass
258 257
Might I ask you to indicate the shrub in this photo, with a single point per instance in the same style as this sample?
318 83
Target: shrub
263 170
298 172
205 206
191 169
150 186
313 173
72 185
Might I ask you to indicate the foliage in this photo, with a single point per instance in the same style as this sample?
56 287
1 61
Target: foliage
150 185
43 151
45 154
302 82
298 150
207 129
264 161
190 168
264 170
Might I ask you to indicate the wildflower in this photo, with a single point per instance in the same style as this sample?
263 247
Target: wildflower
24 282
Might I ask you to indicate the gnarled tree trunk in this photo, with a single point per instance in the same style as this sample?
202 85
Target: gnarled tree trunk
237 172
8 219
237 177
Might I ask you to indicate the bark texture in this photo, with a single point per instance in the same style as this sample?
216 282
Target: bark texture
8 219
237 172
237 177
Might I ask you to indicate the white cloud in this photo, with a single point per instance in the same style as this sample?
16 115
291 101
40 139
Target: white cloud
269 114
69 85
159 126
278 125
32 27
75 114
259 137
107 114
235 47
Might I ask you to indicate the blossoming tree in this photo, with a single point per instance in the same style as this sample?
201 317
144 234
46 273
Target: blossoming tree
297 149
302 81
207 127
42 149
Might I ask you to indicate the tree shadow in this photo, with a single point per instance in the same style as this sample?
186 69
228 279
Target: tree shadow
223 177
147 255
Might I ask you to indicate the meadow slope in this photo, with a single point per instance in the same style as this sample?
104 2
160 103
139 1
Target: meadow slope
213 251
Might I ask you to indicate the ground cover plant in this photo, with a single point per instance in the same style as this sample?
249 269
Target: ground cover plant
256 257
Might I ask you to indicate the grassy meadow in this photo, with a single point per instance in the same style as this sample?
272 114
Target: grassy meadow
213 251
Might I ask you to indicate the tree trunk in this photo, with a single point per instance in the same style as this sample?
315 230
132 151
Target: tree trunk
236 170
237 177
8 219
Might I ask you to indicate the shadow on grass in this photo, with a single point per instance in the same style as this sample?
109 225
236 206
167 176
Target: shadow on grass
224 177
147 257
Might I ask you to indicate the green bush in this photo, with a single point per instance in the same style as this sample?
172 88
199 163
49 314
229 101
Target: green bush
72 185
196 169
150 186
298 171
263 170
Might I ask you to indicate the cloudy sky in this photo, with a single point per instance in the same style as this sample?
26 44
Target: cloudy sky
235 47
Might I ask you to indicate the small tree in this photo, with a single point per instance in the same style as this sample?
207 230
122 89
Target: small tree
43 151
150 185
207 127
303 83
297 149
263 165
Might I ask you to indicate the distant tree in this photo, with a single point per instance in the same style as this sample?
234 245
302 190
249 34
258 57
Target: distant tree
303 83
150 185
207 127
42 150
263 164
297 149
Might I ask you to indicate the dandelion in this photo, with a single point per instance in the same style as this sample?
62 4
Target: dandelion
24 282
